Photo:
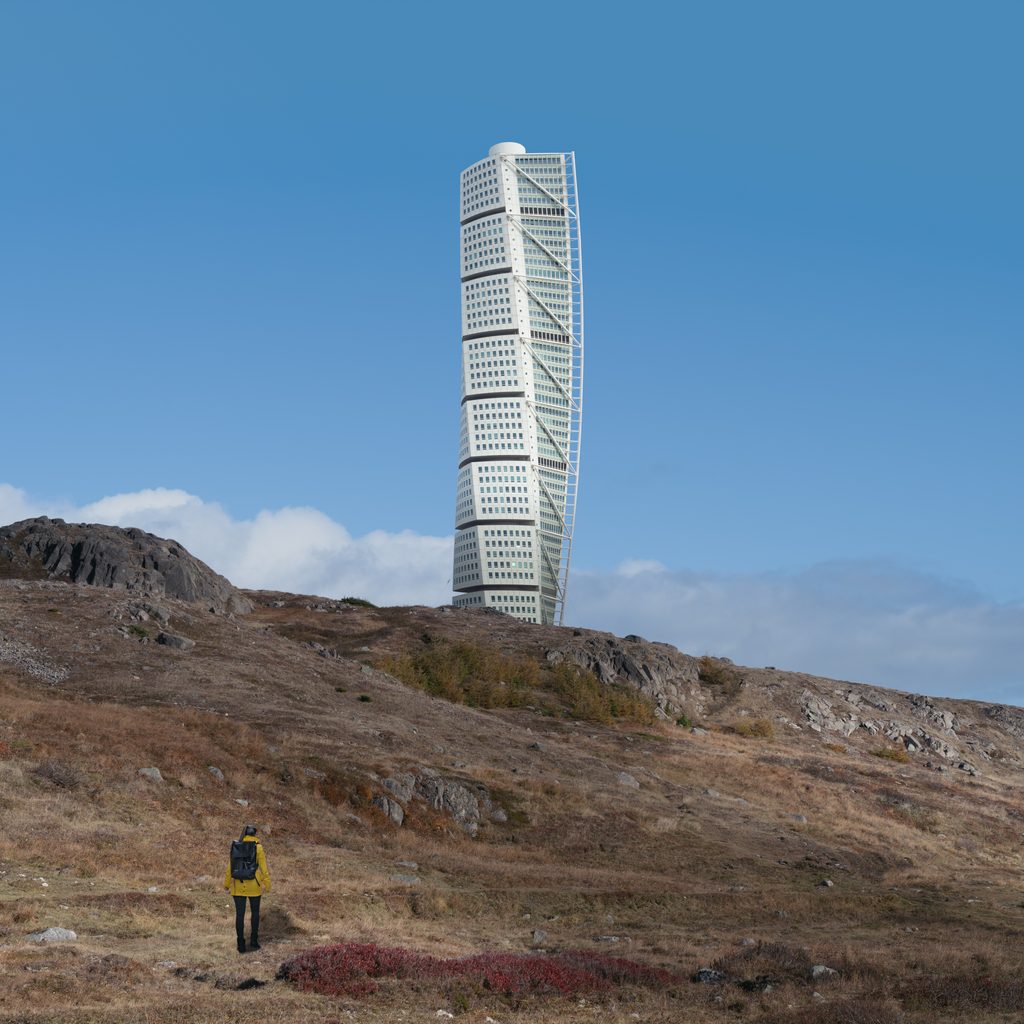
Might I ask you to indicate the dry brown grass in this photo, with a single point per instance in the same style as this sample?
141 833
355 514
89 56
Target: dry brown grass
705 853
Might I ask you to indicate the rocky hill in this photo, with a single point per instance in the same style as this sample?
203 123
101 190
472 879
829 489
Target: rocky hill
784 848
108 556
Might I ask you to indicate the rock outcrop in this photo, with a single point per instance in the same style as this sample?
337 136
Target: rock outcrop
111 556
667 677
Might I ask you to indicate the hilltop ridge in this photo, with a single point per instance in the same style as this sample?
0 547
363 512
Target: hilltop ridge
454 780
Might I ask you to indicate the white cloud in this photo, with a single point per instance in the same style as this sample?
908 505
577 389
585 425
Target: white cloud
294 549
867 621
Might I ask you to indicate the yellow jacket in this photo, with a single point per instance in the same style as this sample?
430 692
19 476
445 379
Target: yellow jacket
251 886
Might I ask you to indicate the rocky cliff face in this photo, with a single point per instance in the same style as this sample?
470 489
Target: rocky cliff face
110 556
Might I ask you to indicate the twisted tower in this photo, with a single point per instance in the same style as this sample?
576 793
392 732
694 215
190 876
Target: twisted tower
522 382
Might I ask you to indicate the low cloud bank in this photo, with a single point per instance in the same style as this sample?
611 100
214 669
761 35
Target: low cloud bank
862 621
865 621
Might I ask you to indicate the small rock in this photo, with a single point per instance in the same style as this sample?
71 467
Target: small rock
536 746
410 864
607 938
698 731
708 976
444 1014
179 643
314 773
498 816
748 942
540 938
625 779
215 772
366 670
241 802
392 808
153 888
168 965
203 879
54 935
799 819
153 774
827 883
406 879
821 971
709 792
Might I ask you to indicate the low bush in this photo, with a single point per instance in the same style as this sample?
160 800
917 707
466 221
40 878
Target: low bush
759 728
891 754
352 969
359 602
467 673
60 773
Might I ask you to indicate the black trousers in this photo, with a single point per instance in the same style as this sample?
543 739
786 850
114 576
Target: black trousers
254 915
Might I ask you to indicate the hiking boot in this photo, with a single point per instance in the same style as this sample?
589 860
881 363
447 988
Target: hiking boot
241 948
254 944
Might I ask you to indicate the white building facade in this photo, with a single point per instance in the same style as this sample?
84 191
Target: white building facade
522 382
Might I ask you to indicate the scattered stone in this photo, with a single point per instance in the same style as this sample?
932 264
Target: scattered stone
167 965
607 938
826 883
498 816
178 643
236 983
540 938
819 971
410 864
406 879
748 942
709 792
241 802
799 819
54 935
314 773
708 976
392 809
366 670
215 772
625 779
698 731
153 774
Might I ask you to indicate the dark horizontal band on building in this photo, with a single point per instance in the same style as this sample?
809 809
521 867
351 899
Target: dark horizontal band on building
495 522
494 394
531 588
488 334
494 458
486 213
487 273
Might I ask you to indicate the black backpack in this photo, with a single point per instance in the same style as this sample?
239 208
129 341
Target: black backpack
243 860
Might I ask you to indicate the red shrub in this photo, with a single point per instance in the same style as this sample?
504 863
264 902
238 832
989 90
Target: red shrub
349 969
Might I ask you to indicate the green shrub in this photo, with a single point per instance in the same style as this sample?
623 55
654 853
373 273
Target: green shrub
365 698
359 602
684 722
759 728
467 673
892 754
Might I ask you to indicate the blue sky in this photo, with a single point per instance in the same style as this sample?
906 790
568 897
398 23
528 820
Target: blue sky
229 269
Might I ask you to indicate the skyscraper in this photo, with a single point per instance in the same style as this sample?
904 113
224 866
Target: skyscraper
522 382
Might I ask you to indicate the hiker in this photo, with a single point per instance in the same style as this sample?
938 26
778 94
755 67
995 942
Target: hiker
247 875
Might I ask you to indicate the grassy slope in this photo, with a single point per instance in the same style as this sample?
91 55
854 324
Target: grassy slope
925 867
